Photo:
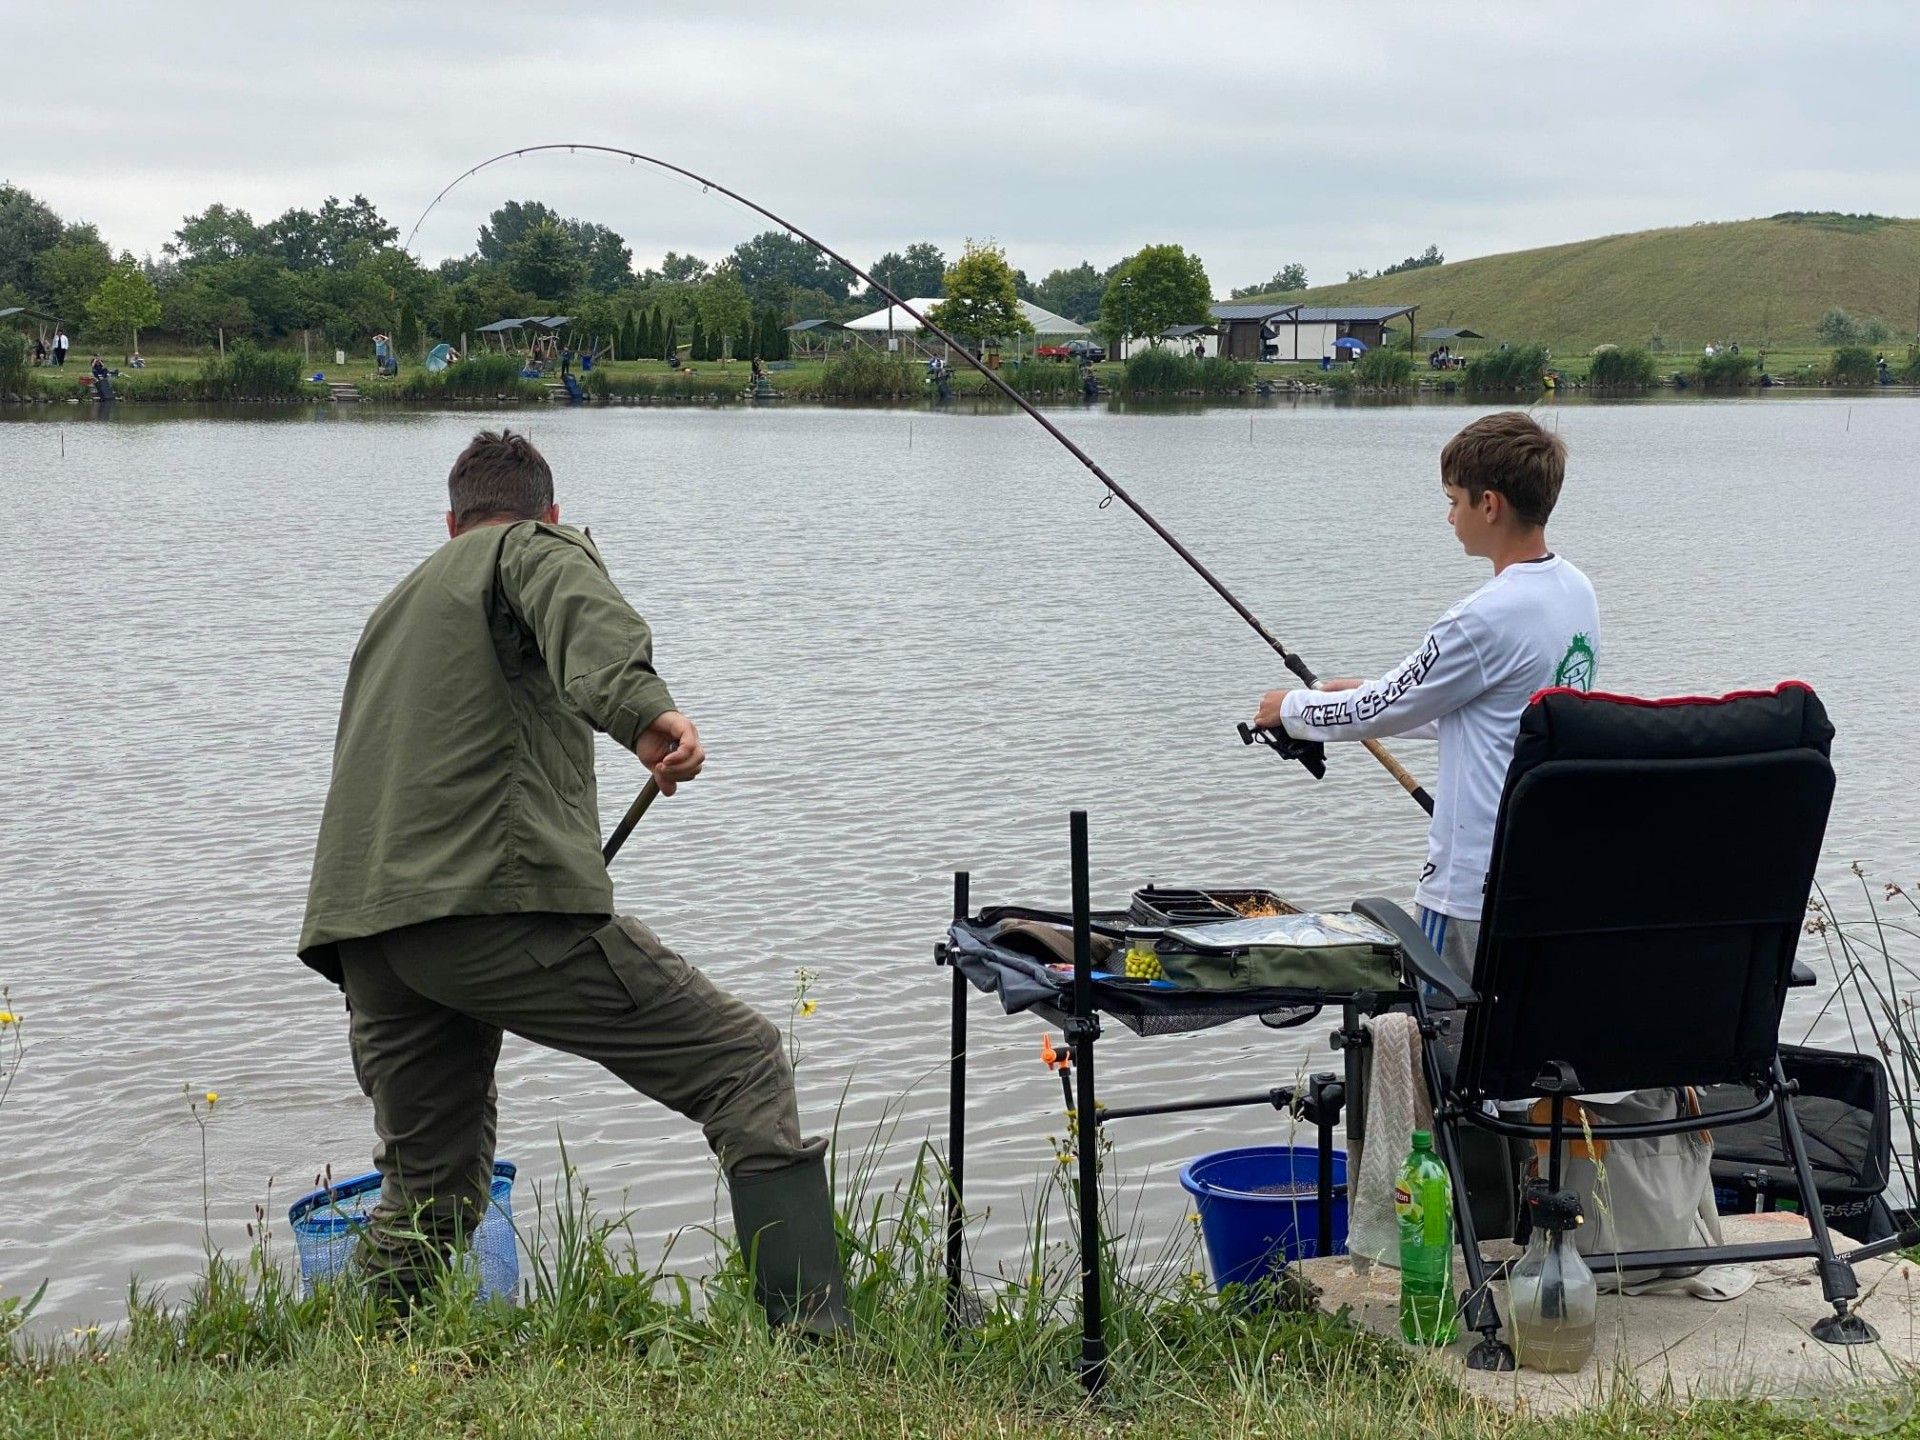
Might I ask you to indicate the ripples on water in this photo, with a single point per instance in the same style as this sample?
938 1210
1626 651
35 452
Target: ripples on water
907 653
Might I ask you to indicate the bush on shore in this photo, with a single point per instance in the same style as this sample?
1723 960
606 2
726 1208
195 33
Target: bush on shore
13 362
1852 365
1517 368
1724 371
250 374
1040 379
1620 367
1384 368
1159 371
478 377
862 373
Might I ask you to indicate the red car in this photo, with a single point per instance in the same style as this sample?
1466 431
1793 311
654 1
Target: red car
1073 350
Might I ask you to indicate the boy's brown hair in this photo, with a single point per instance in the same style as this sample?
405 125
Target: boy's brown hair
499 474
1511 455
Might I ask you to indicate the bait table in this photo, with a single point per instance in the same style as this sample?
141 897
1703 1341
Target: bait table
1076 1006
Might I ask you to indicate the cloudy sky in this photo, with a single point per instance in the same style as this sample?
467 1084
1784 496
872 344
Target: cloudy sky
1337 135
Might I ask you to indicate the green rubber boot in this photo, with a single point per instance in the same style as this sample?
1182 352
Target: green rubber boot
785 1223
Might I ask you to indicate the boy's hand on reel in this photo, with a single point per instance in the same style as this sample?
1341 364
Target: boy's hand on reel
1310 753
1267 717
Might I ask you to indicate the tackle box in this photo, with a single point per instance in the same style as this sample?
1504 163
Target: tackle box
1158 907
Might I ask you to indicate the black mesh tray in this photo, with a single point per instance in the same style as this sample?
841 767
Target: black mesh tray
1160 906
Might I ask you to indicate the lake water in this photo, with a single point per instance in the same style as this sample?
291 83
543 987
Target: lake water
913 642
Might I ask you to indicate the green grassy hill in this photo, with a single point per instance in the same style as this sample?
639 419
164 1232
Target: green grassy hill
1745 280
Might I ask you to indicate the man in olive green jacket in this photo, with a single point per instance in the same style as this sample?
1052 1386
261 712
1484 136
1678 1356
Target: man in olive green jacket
458 890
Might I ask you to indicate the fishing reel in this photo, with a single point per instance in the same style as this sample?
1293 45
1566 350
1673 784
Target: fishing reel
1310 753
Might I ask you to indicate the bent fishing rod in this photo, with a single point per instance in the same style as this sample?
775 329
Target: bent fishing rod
1307 754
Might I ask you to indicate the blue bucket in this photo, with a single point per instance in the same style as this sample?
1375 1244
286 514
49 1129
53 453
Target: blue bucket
1260 1208
327 1225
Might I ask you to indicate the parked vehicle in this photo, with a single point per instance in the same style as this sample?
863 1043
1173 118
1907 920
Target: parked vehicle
1084 351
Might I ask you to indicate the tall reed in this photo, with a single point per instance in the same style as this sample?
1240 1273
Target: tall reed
863 373
1384 368
1852 365
1622 367
1724 370
1160 371
13 362
248 373
1517 369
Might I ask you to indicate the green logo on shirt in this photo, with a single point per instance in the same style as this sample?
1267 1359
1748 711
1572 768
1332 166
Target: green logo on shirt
1576 666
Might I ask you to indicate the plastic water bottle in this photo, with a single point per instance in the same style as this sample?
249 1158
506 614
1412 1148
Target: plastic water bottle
1423 1202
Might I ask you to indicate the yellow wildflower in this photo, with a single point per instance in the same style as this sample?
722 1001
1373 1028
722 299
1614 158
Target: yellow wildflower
7 1017
213 1098
807 1007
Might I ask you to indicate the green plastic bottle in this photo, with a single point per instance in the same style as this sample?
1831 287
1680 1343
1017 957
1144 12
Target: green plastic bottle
1423 1201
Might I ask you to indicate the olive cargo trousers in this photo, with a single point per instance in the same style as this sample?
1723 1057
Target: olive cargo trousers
429 1003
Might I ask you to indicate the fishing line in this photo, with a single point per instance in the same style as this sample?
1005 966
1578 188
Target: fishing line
1115 491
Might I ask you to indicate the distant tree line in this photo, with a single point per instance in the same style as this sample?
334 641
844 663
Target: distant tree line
336 273
1425 260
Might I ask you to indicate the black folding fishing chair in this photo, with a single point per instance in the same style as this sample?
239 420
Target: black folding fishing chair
1651 866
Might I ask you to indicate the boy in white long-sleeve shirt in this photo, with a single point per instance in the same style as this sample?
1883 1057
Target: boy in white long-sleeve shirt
1535 624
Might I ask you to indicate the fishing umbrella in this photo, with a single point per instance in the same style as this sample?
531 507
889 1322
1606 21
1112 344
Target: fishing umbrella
1347 342
437 357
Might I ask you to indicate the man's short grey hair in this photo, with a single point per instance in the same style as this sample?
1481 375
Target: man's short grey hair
499 474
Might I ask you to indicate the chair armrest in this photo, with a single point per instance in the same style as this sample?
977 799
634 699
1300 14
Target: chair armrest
1801 976
1421 958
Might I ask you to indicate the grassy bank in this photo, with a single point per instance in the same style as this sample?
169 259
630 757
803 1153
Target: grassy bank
605 1347
867 376
1760 282
606 1344
1301 1383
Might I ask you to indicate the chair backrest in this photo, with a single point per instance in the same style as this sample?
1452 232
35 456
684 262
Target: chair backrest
1651 866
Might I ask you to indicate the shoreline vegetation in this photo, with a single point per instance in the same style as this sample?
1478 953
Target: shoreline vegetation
605 1344
248 374
235 310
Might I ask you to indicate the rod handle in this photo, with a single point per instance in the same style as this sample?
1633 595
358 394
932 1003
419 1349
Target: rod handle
646 797
1400 773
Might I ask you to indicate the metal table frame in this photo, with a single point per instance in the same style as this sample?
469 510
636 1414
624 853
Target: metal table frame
1320 1103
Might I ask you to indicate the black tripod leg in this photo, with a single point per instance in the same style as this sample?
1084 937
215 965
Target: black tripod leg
957 1121
1477 1309
1086 1028
1838 1283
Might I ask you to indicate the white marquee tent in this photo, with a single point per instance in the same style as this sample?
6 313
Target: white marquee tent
891 317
